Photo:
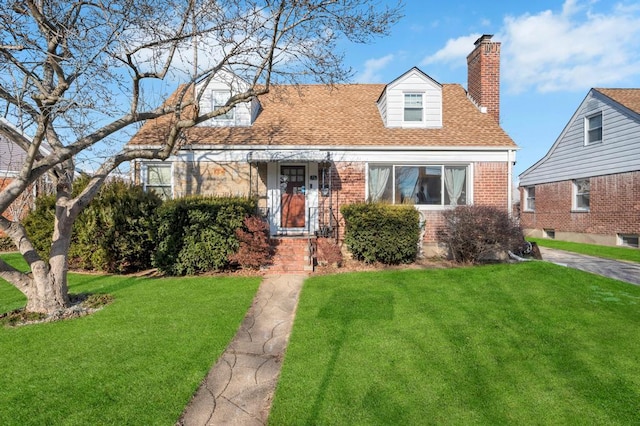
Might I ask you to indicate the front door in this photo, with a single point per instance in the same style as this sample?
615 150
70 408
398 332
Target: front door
293 196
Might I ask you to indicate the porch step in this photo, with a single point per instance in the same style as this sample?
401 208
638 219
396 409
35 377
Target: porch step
291 256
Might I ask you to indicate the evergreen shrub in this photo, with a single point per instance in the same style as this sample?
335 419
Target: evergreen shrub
197 234
115 233
379 232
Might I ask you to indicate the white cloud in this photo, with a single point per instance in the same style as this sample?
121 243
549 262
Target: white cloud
454 52
574 49
372 67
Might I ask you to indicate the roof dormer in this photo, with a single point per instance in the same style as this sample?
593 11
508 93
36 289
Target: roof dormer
413 100
217 93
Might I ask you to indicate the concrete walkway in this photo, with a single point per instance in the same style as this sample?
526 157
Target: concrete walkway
617 269
239 388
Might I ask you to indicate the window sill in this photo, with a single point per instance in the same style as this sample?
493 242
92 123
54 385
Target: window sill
580 211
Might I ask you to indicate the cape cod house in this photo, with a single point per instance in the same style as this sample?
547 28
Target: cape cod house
587 187
307 150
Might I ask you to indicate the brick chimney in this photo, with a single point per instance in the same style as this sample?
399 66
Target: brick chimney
483 78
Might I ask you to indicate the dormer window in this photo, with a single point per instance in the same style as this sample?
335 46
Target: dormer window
593 129
219 100
413 107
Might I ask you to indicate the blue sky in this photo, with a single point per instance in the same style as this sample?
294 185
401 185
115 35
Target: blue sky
552 53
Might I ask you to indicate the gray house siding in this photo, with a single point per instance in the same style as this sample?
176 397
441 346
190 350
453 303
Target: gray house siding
570 158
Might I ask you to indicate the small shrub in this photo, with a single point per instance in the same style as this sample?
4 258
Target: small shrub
378 232
479 233
255 250
329 252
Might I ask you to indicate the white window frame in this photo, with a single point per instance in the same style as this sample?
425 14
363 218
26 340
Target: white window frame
629 240
468 189
149 187
577 193
589 130
529 200
219 99
408 106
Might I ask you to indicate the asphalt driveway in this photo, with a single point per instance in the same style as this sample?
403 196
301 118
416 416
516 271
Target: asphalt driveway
617 269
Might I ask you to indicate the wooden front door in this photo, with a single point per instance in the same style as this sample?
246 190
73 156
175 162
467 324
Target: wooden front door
293 196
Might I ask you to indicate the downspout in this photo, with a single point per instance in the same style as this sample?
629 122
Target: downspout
510 155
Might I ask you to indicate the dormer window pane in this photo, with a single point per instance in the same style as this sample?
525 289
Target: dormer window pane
412 107
219 100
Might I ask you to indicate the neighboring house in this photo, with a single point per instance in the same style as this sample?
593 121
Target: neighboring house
587 187
11 160
307 150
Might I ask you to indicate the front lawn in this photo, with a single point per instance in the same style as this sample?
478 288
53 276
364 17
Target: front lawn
505 344
619 253
137 361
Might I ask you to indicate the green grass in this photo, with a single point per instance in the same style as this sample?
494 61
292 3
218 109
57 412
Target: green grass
505 344
137 361
609 252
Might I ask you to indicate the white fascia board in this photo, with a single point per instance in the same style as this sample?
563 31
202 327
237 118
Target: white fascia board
370 155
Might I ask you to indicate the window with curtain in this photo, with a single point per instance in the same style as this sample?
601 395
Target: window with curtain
530 200
581 194
158 179
435 185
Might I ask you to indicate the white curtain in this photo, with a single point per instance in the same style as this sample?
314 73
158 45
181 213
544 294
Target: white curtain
453 182
378 177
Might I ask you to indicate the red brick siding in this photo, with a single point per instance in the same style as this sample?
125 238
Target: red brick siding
483 79
490 185
614 206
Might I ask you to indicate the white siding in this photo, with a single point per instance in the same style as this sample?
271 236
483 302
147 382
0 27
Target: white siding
391 103
244 113
569 158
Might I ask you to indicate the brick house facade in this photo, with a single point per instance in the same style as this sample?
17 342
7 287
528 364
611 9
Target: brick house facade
587 187
412 141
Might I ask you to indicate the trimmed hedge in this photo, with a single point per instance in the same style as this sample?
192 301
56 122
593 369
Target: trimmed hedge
197 234
115 233
378 232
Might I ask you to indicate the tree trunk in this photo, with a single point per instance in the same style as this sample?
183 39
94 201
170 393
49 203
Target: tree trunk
48 293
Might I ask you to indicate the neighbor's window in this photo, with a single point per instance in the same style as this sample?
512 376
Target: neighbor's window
436 185
413 107
628 240
530 200
219 100
549 233
581 191
593 130
158 179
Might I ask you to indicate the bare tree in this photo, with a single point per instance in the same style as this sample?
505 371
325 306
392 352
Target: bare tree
75 74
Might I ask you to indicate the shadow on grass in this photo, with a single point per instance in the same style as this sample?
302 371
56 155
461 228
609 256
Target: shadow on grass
345 307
